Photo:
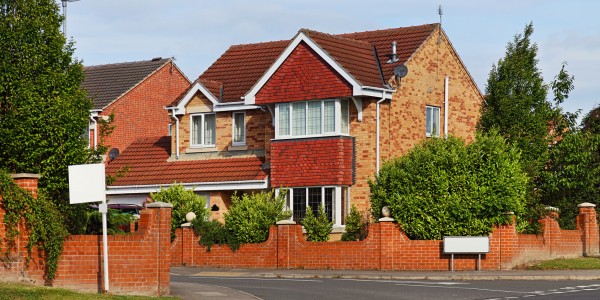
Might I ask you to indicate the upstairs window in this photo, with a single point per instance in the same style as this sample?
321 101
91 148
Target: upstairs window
432 119
311 118
203 131
239 128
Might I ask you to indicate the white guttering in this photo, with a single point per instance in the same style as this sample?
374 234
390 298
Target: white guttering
196 186
176 119
93 117
383 98
446 80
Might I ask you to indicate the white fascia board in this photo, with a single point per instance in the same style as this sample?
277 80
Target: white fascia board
94 113
377 92
196 186
250 97
234 107
197 87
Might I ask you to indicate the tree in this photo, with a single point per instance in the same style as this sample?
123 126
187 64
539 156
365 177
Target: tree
43 110
516 104
444 187
591 121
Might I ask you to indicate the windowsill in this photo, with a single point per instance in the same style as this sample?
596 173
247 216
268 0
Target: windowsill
201 150
237 148
298 137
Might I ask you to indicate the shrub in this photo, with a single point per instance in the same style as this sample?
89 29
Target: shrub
357 226
115 222
183 201
214 232
251 215
443 187
317 228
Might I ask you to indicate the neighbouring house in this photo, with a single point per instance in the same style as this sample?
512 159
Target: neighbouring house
135 93
317 115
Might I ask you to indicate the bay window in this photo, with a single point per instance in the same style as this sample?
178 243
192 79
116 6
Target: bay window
312 118
300 200
203 131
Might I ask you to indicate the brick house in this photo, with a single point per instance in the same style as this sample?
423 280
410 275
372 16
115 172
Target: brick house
134 92
316 114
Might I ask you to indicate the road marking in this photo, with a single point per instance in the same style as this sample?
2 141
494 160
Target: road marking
468 288
262 279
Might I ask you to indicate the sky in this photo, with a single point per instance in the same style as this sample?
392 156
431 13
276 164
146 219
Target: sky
197 32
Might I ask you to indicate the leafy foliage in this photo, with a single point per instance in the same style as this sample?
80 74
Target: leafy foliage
317 228
214 232
43 223
572 175
251 215
357 226
443 187
183 201
115 222
515 101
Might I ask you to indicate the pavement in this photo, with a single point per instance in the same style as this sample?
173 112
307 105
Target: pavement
207 292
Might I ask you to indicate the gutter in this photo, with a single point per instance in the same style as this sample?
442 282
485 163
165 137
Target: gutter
196 186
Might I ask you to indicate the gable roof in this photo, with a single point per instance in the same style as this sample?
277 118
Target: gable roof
146 161
107 83
360 54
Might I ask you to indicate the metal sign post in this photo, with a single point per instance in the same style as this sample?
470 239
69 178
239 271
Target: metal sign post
87 185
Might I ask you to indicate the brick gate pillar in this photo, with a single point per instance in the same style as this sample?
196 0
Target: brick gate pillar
589 224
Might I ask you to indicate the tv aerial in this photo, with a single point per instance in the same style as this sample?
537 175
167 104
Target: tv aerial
64 6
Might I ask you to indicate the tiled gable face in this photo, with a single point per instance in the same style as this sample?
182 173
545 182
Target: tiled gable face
303 76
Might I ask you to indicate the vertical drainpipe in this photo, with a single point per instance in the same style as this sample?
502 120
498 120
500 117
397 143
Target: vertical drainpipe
446 80
95 131
377 144
176 131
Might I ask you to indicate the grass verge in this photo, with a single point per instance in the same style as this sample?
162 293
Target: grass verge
579 263
14 291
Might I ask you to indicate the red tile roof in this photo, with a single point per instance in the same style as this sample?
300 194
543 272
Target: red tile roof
241 66
146 160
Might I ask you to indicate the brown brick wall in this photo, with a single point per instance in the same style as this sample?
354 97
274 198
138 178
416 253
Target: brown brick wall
388 248
312 162
140 112
303 76
138 263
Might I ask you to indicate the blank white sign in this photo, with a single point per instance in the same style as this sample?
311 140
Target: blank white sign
87 183
466 244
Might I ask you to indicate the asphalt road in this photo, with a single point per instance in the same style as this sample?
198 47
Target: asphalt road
344 289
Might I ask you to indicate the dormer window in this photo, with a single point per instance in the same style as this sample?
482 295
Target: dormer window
311 118
203 131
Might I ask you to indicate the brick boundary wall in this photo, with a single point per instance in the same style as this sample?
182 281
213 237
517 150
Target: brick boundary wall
139 263
388 248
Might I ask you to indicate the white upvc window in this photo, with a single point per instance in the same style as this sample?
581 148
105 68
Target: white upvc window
203 130
239 129
312 118
432 119
301 199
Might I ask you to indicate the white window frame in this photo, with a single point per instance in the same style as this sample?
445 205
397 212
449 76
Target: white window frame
202 130
435 132
336 208
337 120
233 142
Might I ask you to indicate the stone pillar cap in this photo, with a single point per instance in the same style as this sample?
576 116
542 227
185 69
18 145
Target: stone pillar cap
586 204
386 219
159 205
552 208
25 175
286 222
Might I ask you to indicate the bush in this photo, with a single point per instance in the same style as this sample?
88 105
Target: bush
115 222
357 226
183 201
251 215
317 228
214 232
443 187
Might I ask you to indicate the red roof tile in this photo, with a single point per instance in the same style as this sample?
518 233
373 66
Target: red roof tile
241 66
146 160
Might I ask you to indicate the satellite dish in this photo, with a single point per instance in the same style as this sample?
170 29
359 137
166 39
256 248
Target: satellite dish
400 71
113 153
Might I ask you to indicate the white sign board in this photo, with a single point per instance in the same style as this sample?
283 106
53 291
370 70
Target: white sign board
87 183
466 244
